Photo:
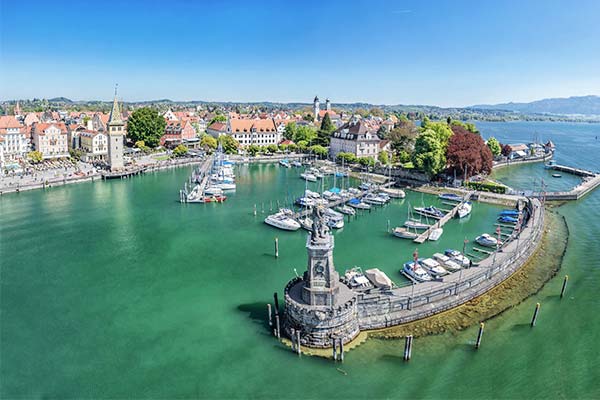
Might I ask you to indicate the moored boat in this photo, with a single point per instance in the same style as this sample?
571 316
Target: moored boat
430 211
416 272
457 256
404 233
464 209
308 177
283 220
508 219
356 203
284 163
344 209
433 267
372 198
450 197
449 264
416 225
487 240
435 234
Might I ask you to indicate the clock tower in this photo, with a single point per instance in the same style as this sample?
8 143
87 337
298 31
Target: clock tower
322 282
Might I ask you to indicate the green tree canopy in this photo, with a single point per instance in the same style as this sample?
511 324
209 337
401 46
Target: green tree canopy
218 118
366 161
376 112
253 150
347 157
403 136
272 148
324 133
494 146
442 131
35 157
304 133
318 150
383 157
180 150
290 131
146 124
208 142
230 145
430 154
466 125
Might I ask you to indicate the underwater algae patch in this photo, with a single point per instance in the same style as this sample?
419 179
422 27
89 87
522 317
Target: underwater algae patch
525 282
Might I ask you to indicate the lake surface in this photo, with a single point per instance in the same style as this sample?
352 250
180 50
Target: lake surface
114 289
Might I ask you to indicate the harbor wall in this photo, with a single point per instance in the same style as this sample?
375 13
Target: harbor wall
381 309
519 161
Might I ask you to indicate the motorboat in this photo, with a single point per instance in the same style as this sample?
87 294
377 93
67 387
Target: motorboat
550 164
296 163
331 196
195 195
430 211
379 278
435 234
315 171
507 219
283 220
457 256
344 209
333 218
213 191
394 193
356 203
308 177
556 175
372 198
215 199
384 196
311 194
356 279
285 163
464 209
305 202
353 191
306 223
365 186
433 267
487 240
225 186
450 197
416 272
416 225
446 262
404 233
510 213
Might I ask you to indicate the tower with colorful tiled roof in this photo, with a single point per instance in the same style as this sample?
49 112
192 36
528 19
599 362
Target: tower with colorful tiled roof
116 136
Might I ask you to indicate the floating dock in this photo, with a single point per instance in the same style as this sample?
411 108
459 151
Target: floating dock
425 235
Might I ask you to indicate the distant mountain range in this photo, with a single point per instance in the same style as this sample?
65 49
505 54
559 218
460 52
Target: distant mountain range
581 105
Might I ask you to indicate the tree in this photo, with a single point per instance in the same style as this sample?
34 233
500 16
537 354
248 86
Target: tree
403 136
180 150
305 133
506 150
308 117
272 148
290 131
494 146
35 157
302 145
76 154
140 144
230 145
146 124
366 161
324 133
253 150
442 131
349 158
218 118
208 142
429 155
292 147
319 150
376 112
467 125
383 157
468 154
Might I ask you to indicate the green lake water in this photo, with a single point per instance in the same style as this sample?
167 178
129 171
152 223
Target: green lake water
115 290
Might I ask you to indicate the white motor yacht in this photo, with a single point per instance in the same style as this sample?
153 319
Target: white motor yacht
446 262
372 198
487 240
457 256
344 209
433 267
416 225
404 233
283 220
356 203
435 234
464 209
416 272
308 177
213 191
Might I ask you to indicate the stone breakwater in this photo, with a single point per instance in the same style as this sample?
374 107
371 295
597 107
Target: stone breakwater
377 308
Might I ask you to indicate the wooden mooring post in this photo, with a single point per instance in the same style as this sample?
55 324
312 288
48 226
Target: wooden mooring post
408 347
270 317
334 350
479 335
276 247
341 350
564 286
277 326
298 349
535 314
276 299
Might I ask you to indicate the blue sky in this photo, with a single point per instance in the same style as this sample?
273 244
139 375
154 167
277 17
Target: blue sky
447 53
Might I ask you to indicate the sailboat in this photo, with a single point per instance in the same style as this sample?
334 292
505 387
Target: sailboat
413 223
405 232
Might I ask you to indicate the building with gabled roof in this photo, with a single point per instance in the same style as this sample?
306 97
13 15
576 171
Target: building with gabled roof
50 139
355 137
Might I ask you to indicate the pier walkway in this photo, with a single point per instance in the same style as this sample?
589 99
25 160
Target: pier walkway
425 235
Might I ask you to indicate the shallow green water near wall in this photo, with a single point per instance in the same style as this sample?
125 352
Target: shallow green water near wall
116 290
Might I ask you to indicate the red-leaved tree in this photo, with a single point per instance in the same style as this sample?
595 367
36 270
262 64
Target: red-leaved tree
467 152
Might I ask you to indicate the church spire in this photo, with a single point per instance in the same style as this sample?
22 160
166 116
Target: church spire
115 113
